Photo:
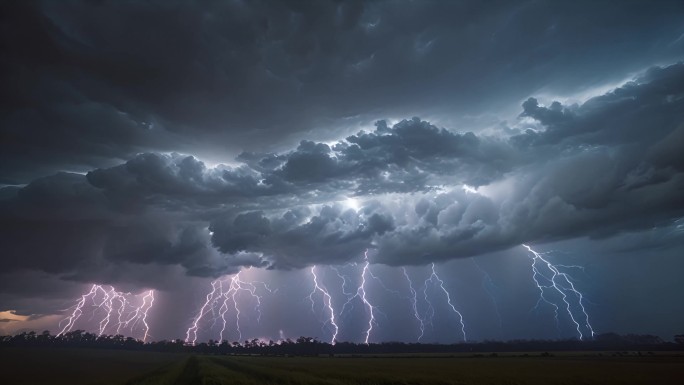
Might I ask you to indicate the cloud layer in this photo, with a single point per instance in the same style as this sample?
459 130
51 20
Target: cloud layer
92 84
411 192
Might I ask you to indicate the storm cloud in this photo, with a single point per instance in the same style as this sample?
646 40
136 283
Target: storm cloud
145 143
83 91
421 193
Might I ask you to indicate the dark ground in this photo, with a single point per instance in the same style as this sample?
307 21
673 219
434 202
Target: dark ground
88 366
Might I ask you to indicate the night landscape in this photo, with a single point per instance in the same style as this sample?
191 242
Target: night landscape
342 192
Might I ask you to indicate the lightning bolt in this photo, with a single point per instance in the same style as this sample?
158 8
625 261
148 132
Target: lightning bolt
382 284
150 297
362 290
78 311
430 310
344 281
193 329
561 283
488 284
434 278
414 304
225 292
111 301
361 294
327 301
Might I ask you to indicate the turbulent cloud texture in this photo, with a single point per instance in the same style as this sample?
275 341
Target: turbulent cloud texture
92 83
609 165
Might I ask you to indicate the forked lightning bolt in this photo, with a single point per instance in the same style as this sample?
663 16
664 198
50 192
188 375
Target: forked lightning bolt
361 294
110 301
344 281
435 278
223 294
193 329
327 301
414 304
562 284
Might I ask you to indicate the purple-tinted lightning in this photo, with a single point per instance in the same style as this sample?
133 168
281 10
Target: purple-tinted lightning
78 311
414 304
438 281
562 284
327 301
108 301
224 293
149 297
344 281
193 329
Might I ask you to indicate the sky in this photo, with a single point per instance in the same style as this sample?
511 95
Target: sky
403 152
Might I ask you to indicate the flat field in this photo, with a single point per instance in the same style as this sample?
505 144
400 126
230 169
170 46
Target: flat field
66 366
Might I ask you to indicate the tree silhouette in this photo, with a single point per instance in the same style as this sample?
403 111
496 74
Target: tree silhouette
310 346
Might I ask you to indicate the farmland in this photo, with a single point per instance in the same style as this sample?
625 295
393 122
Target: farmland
86 366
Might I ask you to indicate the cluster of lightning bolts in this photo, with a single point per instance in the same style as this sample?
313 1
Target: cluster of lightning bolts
221 299
547 276
116 311
556 284
361 295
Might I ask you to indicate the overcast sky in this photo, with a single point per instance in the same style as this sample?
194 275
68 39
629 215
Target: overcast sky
163 145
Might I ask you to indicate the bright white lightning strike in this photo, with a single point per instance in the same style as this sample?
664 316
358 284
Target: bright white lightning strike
560 283
327 301
109 301
193 329
224 292
150 297
361 294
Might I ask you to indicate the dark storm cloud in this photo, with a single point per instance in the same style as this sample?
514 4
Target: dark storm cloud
411 156
602 168
609 165
90 84
63 224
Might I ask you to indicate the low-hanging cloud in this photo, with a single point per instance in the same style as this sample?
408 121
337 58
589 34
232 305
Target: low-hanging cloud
597 169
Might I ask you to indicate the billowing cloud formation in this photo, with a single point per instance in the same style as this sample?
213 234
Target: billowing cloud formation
609 165
90 84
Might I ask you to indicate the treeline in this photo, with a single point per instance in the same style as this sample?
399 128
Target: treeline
308 346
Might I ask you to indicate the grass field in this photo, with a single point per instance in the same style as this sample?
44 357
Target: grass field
65 366
36 366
